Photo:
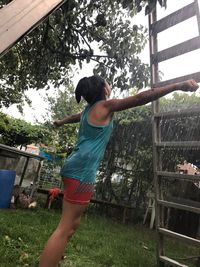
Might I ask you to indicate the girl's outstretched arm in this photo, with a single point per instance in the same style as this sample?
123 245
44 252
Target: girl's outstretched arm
68 119
149 96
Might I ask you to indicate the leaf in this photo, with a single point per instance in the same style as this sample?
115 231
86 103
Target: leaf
151 5
147 10
163 3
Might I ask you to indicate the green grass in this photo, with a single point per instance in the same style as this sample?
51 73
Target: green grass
99 242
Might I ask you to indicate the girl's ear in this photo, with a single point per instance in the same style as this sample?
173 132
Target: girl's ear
106 91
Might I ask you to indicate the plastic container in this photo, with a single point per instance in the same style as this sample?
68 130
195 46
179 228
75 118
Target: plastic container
7 179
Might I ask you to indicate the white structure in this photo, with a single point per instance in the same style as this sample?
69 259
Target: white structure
20 17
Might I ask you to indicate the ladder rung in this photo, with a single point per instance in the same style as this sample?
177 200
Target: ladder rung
181 144
174 18
173 175
176 50
178 113
195 76
178 206
184 201
181 237
171 262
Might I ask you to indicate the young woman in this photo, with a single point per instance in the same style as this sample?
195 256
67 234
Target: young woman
79 170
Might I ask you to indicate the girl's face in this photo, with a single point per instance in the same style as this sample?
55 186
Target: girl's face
107 90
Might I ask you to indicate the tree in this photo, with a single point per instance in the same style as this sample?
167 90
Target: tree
74 33
59 106
180 101
15 132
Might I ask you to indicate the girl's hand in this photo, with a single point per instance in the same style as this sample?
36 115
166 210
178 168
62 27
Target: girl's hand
188 86
57 123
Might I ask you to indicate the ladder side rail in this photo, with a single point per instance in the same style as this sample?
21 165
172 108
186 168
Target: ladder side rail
198 14
156 136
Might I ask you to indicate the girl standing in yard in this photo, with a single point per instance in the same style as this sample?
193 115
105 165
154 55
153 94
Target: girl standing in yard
79 170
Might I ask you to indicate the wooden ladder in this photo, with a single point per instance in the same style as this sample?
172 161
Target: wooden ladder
155 27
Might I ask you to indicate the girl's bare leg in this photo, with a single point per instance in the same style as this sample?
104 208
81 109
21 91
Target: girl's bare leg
70 220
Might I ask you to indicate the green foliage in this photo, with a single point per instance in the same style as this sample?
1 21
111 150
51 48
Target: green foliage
180 101
15 132
139 4
134 115
60 106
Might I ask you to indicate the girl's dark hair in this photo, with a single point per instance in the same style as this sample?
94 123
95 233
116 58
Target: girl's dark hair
90 88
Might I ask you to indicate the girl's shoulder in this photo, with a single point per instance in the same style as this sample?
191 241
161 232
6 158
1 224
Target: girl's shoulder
99 114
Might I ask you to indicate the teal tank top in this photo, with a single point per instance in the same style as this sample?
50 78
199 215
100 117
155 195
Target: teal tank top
89 150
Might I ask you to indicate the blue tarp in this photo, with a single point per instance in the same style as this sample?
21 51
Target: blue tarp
49 156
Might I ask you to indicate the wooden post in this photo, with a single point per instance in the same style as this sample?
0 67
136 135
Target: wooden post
24 171
124 215
156 135
36 178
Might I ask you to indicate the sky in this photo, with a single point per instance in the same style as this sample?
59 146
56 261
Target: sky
172 68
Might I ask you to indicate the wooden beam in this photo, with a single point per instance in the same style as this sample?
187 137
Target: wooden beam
178 206
178 113
177 50
174 18
181 144
184 201
20 17
172 262
185 238
195 76
24 171
15 151
36 178
8 155
173 175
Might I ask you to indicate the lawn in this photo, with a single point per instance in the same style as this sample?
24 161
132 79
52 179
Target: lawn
99 242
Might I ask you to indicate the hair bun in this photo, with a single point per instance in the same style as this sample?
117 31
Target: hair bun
81 88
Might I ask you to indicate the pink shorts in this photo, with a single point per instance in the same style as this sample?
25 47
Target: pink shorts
77 192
